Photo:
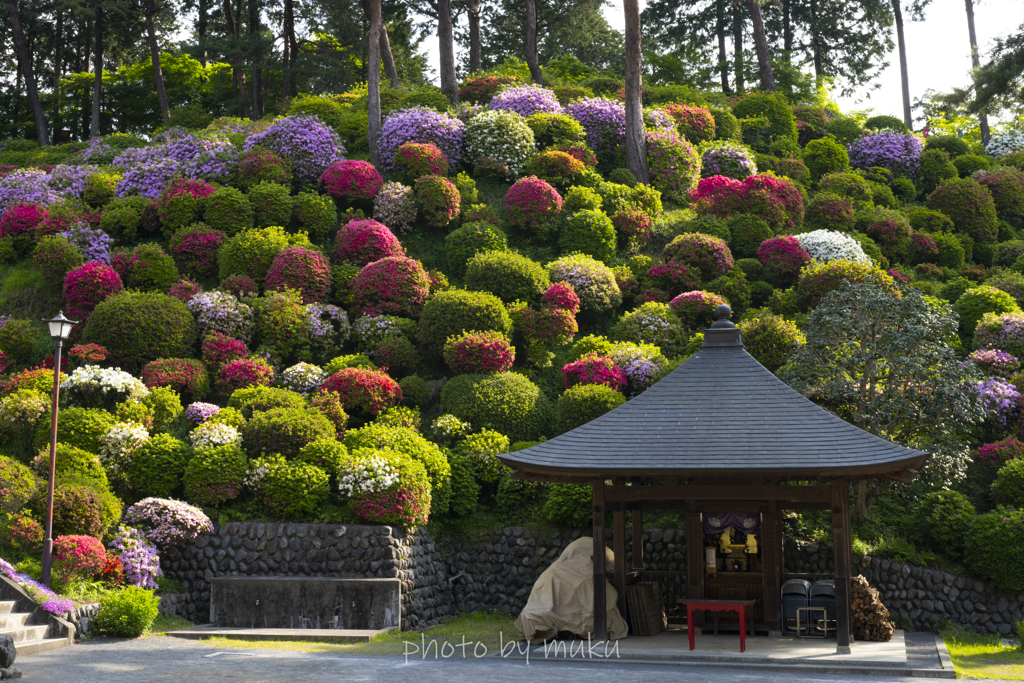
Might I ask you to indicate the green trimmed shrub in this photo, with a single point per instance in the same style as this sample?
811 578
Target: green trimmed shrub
747 232
506 402
926 220
554 129
970 207
771 339
229 211
946 516
454 311
72 462
507 275
883 196
158 467
849 185
995 547
950 144
569 506
584 402
314 214
285 431
18 483
883 122
591 233
976 302
251 252
426 96
415 391
969 163
323 108
951 251
845 130
825 156
480 451
215 475
99 188
829 211
468 241
581 199
76 509
774 108
271 203
79 428
518 498
127 612
818 279
293 490
150 269
1008 487
727 127
936 167
139 327
18 340
652 323
282 324
54 257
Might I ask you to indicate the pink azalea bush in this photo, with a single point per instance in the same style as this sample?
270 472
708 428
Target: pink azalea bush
195 250
696 309
775 200
239 374
395 285
561 295
351 180
363 392
88 285
709 256
477 352
303 269
363 242
416 159
594 368
79 556
783 257
533 205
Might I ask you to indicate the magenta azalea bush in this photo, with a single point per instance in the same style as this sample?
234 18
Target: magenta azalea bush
533 205
593 368
420 124
350 180
394 285
696 309
88 285
476 352
708 255
303 269
363 242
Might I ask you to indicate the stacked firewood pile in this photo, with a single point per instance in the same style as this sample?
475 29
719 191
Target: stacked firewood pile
870 617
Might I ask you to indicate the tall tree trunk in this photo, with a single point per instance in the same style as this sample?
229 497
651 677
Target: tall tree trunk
58 74
25 62
154 51
229 25
88 46
201 25
723 63
636 143
240 62
787 28
257 59
97 89
531 42
897 12
373 80
764 60
816 44
737 45
475 52
976 64
388 58
446 41
290 82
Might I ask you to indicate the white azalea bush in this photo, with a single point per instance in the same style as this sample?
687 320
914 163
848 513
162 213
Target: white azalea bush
827 245
91 386
304 378
119 445
448 427
211 435
385 486
1001 144
502 136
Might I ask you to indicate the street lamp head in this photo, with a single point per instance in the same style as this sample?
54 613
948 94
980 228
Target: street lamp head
60 327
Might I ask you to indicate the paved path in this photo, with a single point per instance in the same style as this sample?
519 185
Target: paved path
160 659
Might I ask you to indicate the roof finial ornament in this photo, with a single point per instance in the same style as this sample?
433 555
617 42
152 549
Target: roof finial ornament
723 313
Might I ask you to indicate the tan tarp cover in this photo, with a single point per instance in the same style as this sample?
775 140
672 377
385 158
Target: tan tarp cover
563 597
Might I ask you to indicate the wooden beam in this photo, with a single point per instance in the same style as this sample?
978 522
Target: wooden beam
806 494
619 547
825 505
600 600
638 537
841 541
771 547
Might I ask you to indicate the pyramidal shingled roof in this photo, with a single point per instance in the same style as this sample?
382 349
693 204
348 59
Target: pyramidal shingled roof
721 413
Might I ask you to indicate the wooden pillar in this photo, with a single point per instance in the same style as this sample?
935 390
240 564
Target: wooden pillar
600 599
619 547
772 580
694 561
638 538
841 541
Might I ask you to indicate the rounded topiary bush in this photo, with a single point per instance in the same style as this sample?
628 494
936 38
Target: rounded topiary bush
303 269
817 280
973 304
849 185
951 144
284 431
245 372
696 310
229 211
507 275
1006 185
593 282
150 269
471 239
1008 487
158 467
72 463
696 124
591 233
969 206
386 487
307 144
439 200
394 285
256 165
55 257
127 613
215 475
746 234
251 252
187 376
774 108
88 285
674 165
363 242
551 129
195 250
251 400
829 211
271 203
414 160
825 156
78 427
771 339
479 352
558 168
947 516
293 490
352 180
314 214
451 312
652 323
364 393
582 403
140 327
995 547
936 167
710 256
506 402
533 205
503 137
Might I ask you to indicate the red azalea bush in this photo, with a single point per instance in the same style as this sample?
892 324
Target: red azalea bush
395 286
57 219
709 256
483 88
594 368
184 289
239 374
533 205
19 222
364 392
561 295
633 228
87 285
673 277
362 242
578 151
351 180
922 248
187 376
694 123
477 352
329 405
79 556
783 257
23 533
775 200
87 354
195 250
696 309
303 269
220 349
414 160
439 199
239 286
36 379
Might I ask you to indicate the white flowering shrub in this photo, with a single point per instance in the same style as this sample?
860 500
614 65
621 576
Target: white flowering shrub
363 475
303 378
826 245
502 136
22 408
448 427
212 435
370 330
91 386
1001 144
119 444
258 469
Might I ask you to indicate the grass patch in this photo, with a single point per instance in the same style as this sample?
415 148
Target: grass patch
981 656
163 624
490 628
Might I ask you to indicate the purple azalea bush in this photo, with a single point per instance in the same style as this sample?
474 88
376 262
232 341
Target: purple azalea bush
603 119
328 327
139 559
729 159
26 185
1000 398
423 125
92 243
198 413
47 599
146 178
658 120
210 159
69 181
527 100
167 522
97 151
898 152
310 145
995 363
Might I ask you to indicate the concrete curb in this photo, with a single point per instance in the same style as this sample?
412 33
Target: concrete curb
297 634
944 658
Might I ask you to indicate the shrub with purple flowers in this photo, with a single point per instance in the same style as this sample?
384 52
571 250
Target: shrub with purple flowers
1000 398
216 311
166 522
92 243
139 559
25 185
46 598
198 413
307 144
593 282
603 119
726 158
897 152
1003 332
995 363
420 124
526 100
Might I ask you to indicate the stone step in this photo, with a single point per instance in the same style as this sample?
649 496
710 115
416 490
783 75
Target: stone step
24 634
14 619
6 606
35 647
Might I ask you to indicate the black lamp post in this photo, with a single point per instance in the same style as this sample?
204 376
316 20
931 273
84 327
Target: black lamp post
60 330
